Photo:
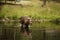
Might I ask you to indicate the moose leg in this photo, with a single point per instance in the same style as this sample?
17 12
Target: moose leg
22 28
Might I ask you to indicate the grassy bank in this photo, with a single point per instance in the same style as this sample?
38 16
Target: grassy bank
50 11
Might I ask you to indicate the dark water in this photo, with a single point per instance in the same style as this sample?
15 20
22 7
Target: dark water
40 31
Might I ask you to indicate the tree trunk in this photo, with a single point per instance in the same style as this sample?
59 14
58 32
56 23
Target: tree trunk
44 3
5 1
15 1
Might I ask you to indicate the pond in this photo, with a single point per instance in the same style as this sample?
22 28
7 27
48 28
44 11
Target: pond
40 31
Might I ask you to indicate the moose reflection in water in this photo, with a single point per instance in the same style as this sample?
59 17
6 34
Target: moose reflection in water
40 31
25 22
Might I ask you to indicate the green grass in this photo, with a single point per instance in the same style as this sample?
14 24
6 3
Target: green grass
50 11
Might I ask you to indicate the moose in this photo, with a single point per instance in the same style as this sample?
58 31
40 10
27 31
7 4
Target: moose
25 22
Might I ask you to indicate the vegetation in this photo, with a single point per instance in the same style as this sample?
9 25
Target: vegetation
50 11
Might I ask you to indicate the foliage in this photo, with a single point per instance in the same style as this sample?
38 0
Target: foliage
50 11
